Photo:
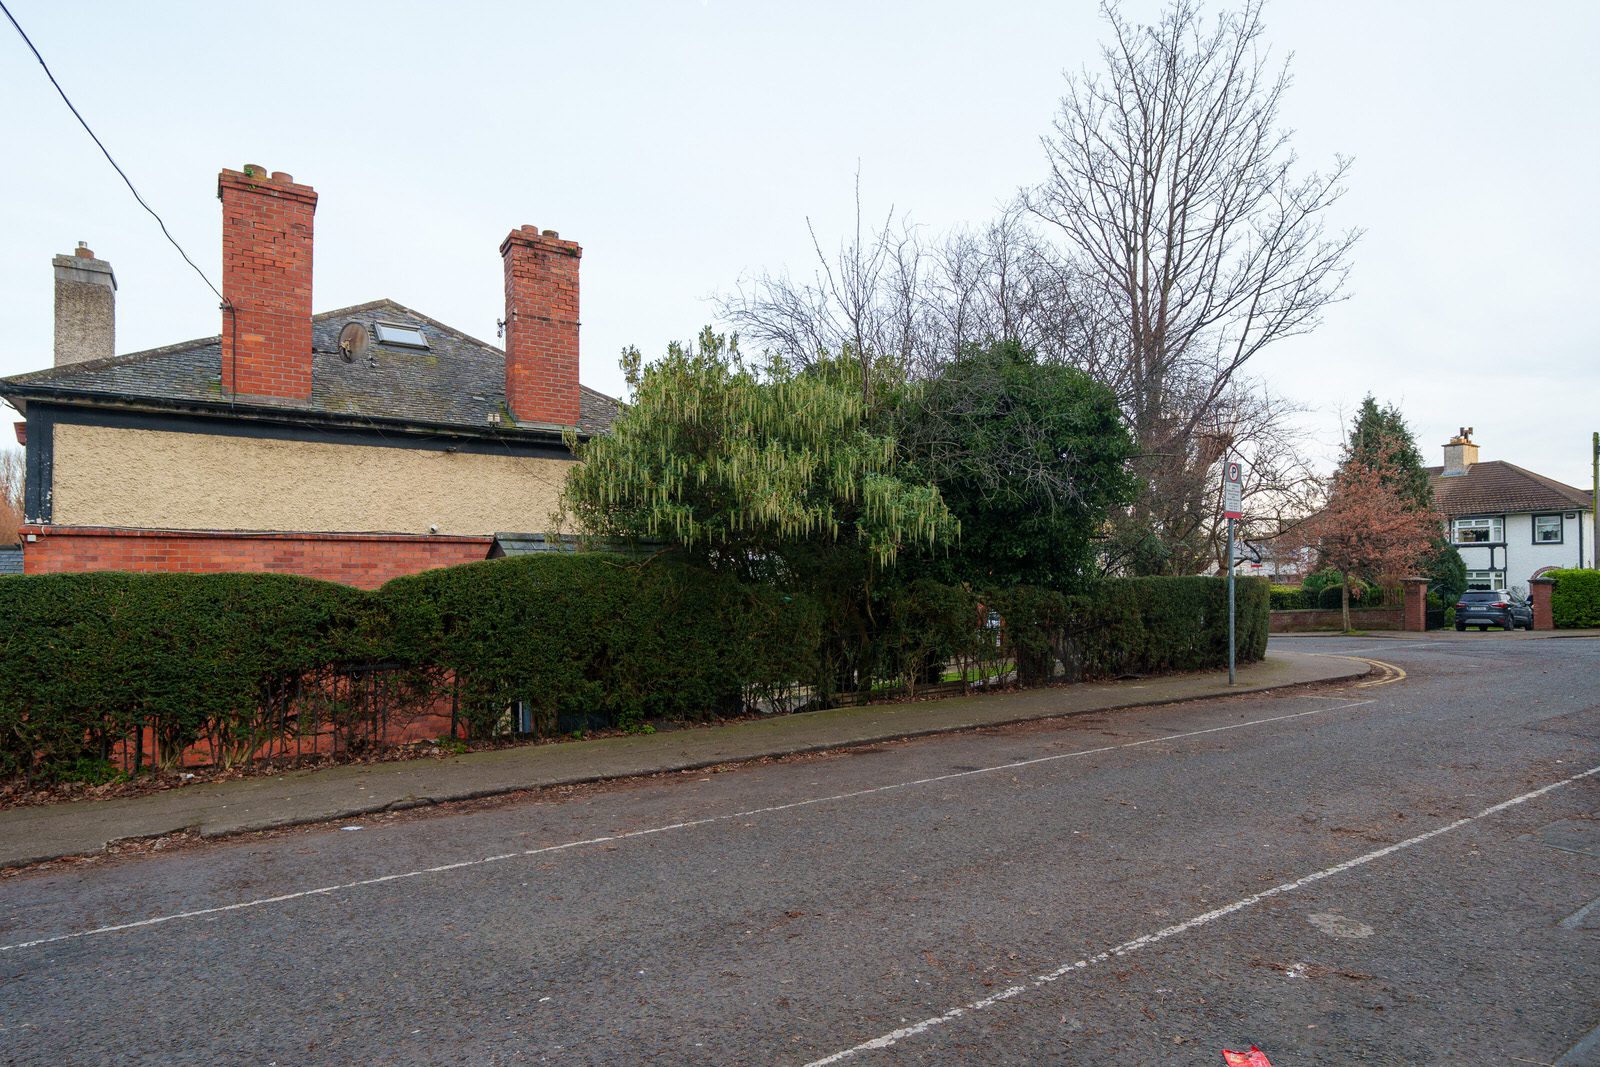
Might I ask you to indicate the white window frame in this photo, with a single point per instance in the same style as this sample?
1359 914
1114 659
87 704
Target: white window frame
1493 525
1560 529
1476 580
401 335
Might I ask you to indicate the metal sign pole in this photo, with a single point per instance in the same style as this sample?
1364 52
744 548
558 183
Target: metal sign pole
1232 508
1231 678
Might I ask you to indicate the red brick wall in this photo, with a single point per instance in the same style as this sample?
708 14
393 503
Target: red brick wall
541 273
362 560
1289 622
266 278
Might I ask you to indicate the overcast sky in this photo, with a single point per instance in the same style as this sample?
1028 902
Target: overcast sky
686 142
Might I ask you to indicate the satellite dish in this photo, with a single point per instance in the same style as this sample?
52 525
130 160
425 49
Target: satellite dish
353 341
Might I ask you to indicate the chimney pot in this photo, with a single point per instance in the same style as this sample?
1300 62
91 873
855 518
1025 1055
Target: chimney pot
82 250
283 177
254 170
551 233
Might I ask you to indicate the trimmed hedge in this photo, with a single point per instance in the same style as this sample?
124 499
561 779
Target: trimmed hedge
87 660
1575 601
1133 626
1290 598
595 640
246 663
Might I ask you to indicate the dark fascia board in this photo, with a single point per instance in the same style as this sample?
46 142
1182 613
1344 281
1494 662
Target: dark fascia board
363 432
264 418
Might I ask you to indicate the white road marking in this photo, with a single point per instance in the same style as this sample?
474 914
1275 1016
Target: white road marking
1575 920
896 1036
302 894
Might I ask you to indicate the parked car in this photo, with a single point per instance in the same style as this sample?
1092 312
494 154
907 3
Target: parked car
1484 608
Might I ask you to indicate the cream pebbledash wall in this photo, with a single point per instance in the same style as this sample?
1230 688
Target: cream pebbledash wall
192 481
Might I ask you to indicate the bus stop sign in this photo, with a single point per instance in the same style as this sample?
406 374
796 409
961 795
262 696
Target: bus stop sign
1232 478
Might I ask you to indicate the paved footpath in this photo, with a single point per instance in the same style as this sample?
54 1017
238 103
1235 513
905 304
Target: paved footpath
36 833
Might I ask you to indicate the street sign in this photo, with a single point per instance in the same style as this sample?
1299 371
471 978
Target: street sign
1232 481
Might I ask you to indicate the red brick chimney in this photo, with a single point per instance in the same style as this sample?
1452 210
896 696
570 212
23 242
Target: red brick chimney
541 326
266 280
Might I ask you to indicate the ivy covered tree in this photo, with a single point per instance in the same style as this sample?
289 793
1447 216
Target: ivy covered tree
1030 457
753 465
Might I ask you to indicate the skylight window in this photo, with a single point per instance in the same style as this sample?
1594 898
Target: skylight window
390 333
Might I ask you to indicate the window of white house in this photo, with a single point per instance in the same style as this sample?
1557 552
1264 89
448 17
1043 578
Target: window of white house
1547 529
1480 531
1486 579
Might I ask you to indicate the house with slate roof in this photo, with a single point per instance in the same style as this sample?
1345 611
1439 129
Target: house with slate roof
354 445
1509 523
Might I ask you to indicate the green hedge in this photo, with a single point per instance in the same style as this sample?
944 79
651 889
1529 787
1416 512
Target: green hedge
595 640
245 662
1575 601
1133 626
86 660
1290 598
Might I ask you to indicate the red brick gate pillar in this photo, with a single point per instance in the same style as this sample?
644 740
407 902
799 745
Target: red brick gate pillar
1414 613
1540 590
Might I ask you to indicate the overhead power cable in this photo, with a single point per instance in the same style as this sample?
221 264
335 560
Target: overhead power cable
65 99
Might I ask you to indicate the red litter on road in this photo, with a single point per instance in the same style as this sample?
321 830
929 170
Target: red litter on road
1254 1058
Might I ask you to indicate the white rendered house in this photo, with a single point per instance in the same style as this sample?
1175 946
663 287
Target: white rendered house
1509 523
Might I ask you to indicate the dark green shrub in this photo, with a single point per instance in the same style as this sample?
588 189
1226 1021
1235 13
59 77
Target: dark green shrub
1133 626
1317 581
1575 601
1289 598
925 625
1362 595
594 640
89 660
1034 634
1143 625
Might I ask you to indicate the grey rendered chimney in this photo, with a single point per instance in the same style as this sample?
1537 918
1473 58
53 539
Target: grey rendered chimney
86 307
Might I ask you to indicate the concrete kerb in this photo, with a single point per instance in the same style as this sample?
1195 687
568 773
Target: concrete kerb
35 834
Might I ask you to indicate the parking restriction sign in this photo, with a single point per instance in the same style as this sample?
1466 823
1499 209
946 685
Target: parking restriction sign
1232 478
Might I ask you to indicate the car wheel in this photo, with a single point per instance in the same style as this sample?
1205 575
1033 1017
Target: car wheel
1461 627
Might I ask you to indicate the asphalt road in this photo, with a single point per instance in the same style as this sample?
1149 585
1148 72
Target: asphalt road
1388 874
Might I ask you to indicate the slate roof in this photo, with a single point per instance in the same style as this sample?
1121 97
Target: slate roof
457 383
1497 487
10 560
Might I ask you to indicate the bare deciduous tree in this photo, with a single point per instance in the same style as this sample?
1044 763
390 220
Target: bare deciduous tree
1175 193
11 475
911 303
